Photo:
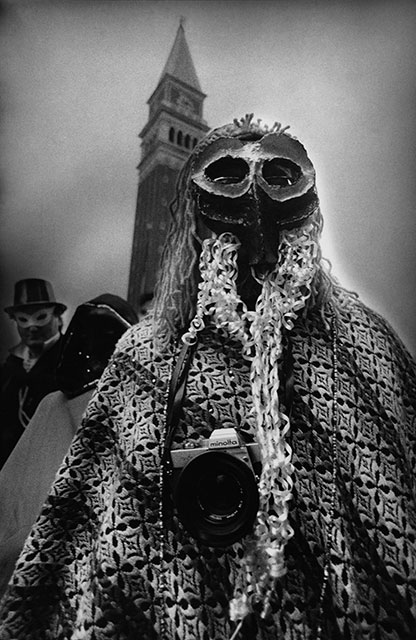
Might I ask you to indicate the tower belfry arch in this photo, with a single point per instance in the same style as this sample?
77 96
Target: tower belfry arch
174 126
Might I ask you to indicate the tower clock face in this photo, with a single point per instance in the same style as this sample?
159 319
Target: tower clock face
184 104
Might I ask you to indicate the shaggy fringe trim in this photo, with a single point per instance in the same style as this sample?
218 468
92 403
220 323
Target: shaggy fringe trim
176 288
284 293
218 301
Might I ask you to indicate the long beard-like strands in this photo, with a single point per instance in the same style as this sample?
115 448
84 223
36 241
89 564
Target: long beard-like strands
284 293
217 291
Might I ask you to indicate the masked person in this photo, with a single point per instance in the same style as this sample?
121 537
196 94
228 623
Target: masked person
29 472
28 374
245 467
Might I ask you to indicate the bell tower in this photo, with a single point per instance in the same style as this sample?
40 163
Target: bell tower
174 127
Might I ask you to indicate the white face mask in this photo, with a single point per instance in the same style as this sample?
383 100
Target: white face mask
39 318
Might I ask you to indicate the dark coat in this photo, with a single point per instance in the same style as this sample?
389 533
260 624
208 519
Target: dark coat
24 390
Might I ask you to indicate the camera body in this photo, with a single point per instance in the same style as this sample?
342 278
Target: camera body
224 440
214 487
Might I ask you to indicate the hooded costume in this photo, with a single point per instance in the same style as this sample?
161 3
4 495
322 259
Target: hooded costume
249 336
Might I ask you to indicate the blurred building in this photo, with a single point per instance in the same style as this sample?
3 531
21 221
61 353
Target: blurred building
174 126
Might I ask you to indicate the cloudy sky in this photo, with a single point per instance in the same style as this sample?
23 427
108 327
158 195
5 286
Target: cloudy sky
75 78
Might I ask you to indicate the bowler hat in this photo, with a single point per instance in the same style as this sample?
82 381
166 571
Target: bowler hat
34 292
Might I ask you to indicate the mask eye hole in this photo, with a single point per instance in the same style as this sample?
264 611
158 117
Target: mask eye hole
280 172
227 170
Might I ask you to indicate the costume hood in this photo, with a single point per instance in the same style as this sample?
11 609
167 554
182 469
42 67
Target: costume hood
90 340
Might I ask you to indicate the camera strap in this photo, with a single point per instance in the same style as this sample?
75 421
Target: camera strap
177 389
175 397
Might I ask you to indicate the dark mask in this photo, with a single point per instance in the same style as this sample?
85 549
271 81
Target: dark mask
254 187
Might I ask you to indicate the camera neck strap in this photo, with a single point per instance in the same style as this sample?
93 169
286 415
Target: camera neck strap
177 389
176 396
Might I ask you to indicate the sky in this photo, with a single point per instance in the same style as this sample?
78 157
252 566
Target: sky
75 80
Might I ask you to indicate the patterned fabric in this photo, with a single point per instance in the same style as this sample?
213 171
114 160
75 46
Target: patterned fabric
97 565
27 476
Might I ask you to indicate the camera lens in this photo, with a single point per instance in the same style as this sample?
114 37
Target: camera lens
217 498
220 495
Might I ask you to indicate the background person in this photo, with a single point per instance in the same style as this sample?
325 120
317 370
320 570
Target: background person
26 478
28 374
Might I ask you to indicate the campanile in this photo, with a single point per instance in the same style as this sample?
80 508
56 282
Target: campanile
174 126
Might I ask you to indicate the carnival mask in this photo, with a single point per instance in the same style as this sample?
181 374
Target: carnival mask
254 188
39 318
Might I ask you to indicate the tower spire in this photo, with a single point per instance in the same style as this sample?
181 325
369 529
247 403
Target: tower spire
174 127
179 63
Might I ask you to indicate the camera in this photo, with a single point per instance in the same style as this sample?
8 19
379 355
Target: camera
215 487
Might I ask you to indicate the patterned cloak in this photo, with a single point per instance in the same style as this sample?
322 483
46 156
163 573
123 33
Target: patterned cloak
103 561
27 476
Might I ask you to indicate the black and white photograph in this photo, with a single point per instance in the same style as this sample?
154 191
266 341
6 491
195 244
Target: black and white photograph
208 334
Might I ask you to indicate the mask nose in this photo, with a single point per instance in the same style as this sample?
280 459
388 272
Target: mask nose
32 324
261 239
